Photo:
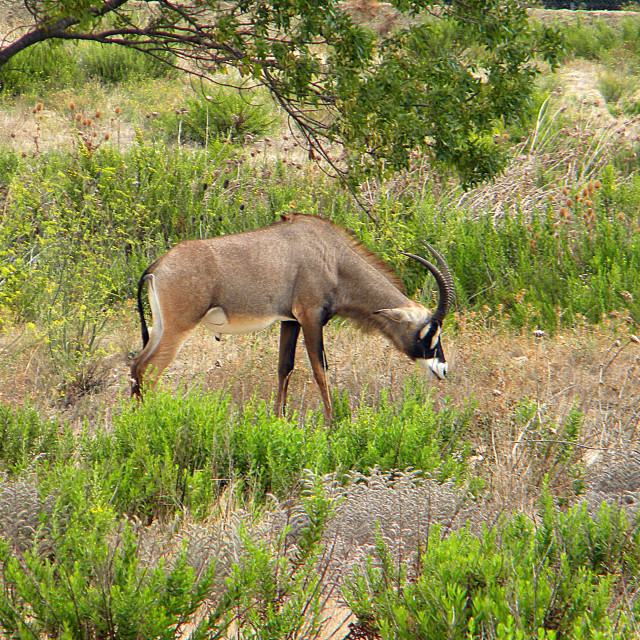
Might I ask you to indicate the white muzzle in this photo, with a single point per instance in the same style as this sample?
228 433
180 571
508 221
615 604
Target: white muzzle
435 365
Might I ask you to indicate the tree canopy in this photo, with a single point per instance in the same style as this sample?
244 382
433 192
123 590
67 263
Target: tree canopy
442 84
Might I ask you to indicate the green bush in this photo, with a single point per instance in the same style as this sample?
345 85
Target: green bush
109 214
43 67
590 40
549 270
539 269
173 453
114 64
50 66
26 441
95 584
98 576
516 581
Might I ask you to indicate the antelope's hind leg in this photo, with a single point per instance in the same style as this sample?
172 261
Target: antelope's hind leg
156 356
165 339
312 331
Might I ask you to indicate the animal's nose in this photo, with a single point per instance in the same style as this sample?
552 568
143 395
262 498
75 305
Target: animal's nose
440 369
436 366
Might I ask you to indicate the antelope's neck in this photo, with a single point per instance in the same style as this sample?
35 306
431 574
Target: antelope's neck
362 290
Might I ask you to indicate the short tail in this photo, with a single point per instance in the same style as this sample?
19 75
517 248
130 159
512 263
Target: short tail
143 323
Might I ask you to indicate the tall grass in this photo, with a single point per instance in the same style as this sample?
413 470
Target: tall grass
227 114
80 227
55 65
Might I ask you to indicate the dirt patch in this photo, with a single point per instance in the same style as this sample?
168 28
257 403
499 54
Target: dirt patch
568 16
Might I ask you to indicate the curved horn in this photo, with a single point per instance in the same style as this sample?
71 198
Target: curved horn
443 278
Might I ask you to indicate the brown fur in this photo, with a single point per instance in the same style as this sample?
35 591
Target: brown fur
375 261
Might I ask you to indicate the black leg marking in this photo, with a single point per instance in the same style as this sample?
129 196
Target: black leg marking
289 331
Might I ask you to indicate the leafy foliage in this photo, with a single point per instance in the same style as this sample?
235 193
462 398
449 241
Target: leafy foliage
429 96
172 453
226 115
25 438
58 65
112 65
91 587
383 99
51 65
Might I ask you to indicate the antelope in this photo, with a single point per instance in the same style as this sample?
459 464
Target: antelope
302 270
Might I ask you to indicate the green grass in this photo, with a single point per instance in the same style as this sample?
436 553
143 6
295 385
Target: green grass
180 453
215 114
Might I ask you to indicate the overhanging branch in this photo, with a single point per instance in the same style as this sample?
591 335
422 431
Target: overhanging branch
57 29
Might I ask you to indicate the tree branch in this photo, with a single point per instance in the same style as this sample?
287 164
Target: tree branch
57 29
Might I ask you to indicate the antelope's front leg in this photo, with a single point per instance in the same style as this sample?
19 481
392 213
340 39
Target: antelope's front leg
312 330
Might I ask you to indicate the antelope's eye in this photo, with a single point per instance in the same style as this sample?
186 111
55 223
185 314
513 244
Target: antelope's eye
430 333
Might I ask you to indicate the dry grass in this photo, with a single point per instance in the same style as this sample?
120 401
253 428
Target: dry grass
594 369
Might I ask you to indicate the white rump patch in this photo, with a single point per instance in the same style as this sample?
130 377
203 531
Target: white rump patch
156 330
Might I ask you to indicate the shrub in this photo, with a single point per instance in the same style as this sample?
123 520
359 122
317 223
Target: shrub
94 575
25 439
513 581
554 268
95 584
44 67
173 453
114 64
226 115
50 66
590 41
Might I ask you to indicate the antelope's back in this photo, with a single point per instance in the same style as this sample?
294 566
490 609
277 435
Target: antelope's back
253 272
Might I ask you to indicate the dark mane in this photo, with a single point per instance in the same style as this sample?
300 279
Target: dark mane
375 261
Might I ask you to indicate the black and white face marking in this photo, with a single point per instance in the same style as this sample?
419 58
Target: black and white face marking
432 357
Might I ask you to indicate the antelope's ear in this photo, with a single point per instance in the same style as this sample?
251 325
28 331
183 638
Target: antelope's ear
399 314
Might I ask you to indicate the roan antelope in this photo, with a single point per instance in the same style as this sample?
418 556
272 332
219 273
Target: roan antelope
302 271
